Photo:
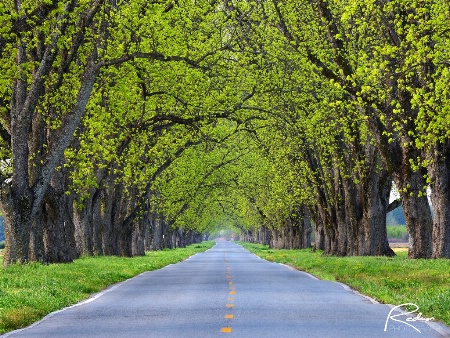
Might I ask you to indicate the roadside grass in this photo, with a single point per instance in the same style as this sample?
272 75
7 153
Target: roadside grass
395 280
31 291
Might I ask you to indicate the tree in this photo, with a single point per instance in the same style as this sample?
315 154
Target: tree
58 55
328 151
40 54
370 60
167 105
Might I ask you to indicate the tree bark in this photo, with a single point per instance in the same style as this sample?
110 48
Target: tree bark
319 234
16 210
340 216
418 217
396 156
439 171
59 229
377 188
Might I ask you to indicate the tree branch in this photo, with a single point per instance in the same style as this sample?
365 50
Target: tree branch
394 205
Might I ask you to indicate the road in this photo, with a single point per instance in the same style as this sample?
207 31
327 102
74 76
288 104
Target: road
228 291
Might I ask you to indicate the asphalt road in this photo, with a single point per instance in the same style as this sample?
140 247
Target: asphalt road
228 291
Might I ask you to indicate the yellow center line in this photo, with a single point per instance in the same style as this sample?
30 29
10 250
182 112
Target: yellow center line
230 304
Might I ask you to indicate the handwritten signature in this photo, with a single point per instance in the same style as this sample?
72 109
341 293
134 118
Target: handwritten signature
417 318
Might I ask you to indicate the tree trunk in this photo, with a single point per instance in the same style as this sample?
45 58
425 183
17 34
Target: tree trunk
439 171
139 236
276 240
377 188
59 238
23 200
16 210
418 217
157 233
58 227
319 234
330 247
82 219
396 156
264 235
304 228
149 231
36 247
354 213
295 234
340 217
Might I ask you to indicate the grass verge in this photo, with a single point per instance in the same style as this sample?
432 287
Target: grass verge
396 280
29 292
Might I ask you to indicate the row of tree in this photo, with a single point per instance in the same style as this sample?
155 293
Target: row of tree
128 126
97 98
353 98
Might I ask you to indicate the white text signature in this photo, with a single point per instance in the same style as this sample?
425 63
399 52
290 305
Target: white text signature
417 318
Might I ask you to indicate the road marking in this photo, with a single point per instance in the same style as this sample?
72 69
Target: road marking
230 301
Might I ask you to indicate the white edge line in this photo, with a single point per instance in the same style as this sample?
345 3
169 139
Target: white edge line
88 300
306 273
440 328
348 288
197 253
436 326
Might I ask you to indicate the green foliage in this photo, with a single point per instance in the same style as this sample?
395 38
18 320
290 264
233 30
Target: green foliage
397 231
31 291
255 108
395 280
202 187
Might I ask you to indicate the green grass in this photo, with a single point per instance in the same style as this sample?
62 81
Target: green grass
397 231
29 292
396 280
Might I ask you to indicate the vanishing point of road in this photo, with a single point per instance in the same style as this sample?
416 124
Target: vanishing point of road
229 292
